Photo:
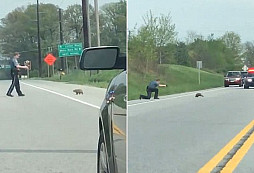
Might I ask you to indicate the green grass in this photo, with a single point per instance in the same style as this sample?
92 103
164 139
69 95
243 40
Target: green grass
101 79
178 78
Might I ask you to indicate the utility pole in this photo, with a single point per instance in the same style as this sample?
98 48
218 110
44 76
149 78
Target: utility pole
96 11
97 22
85 23
61 35
88 23
39 39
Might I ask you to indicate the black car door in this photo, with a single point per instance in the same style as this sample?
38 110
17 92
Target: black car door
119 122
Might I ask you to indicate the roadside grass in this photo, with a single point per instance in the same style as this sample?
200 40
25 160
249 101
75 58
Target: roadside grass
178 78
100 80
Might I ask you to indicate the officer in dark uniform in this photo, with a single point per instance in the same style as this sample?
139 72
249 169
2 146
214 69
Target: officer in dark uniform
152 87
14 75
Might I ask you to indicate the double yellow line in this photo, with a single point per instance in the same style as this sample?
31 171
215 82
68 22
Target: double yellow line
232 164
118 131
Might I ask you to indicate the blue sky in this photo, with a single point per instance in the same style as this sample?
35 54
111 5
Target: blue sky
202 16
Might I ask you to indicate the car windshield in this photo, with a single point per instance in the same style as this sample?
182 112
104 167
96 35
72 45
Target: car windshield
250 75
244 73
233 73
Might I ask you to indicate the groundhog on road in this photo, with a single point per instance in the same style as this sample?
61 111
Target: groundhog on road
78 91
199 95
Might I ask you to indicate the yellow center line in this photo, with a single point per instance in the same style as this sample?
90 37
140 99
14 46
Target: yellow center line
209 166
117 130
232 164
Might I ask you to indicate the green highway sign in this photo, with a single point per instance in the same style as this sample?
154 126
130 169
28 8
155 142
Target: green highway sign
70 49
4 66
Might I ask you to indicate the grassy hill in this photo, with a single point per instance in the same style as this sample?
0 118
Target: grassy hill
178 78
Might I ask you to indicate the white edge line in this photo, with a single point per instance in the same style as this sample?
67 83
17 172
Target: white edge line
68 97
170 98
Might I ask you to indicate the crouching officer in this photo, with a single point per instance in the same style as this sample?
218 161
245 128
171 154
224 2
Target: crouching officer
152 87
14 75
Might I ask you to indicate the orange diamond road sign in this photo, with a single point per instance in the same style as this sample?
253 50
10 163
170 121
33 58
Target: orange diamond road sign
50 59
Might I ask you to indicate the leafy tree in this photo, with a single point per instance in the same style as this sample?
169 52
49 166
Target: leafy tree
161 29
167 55
192 36
142 51
73 23
248 55
18 30
214 54
155 42
233 41
113 24
181 54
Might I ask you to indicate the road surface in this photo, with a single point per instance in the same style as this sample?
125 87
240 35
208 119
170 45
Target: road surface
50 130
181 133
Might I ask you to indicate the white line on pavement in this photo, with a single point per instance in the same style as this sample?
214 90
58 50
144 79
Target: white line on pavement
68 97
170 98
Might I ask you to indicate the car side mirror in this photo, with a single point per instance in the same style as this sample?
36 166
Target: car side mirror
100 58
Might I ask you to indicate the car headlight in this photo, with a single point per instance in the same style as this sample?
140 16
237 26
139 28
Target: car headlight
227 79
249 80
237 78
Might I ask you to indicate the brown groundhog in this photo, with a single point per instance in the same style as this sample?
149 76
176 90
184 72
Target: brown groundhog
199 95
78 91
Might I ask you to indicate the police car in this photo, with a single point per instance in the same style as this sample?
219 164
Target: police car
249 79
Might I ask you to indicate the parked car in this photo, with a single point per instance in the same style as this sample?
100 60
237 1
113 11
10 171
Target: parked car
249 79
111 154
233 78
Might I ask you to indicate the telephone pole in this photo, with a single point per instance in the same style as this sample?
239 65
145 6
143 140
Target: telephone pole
39 40
61 35
85 23
97 22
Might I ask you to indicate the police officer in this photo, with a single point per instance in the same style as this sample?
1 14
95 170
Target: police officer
152 87
15 67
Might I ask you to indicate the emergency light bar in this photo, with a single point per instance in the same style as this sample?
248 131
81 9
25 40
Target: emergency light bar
251 70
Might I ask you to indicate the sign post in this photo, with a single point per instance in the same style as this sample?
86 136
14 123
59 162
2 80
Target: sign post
48 70
67 67
53 68
28 74
199 66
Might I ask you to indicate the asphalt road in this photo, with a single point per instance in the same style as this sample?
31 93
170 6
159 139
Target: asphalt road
181 133
50 130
